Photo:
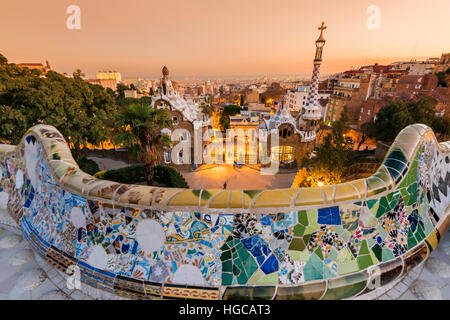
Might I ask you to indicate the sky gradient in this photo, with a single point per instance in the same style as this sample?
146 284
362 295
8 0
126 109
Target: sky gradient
204 38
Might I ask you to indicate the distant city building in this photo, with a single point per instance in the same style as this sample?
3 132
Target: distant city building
105 83
252 96
132 94
295 99
354 87
109 75
415 67
36 66
444 63
411 86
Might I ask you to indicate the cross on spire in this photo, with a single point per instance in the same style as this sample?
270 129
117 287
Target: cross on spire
322 27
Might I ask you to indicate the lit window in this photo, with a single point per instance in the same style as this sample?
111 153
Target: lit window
283 153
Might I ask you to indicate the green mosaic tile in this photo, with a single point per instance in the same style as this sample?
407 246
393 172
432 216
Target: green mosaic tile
312 218
253 280
396 195
428 227
227 278
419 234
333 254
364 249
374 208
344 255
377 250
297 244
404 192
271 278
306 238
299 230
294 254
370 242
383 233
226 255
373 257
313 270
302 217
389 197
341 232
348 267
227 266
250 266
387 254
371 203
304 255
364 261
319 253
412 190
383 207
412 242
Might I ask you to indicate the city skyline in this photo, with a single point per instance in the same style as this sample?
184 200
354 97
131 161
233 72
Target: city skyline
199 39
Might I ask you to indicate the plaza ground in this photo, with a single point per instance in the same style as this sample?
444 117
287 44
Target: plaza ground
245 177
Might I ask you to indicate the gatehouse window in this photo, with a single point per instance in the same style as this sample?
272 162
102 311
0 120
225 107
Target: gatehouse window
283 153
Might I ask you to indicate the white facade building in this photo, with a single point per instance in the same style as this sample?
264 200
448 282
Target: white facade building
295 100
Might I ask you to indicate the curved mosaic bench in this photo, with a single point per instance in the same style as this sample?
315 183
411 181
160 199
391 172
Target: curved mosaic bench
146 242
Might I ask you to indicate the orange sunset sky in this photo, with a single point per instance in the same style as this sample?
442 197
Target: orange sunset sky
202 38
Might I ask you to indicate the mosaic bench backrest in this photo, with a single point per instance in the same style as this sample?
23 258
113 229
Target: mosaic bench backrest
310 243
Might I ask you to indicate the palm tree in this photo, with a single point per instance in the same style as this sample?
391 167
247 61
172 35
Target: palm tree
207 107
140 131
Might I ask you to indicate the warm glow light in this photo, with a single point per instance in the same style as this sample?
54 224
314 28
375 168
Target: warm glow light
320 183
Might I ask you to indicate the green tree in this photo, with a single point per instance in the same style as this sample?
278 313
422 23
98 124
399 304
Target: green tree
443 78
79 110
140 131
368 131
229 110
335 154
121 90
111 92
398 114
3 59
78 74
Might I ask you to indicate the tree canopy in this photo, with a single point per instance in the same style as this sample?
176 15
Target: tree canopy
3 59
79 110
443 78
398 114
336 153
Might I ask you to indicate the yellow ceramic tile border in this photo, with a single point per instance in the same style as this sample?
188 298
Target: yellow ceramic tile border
68 174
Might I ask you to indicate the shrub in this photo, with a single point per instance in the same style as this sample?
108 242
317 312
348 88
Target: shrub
163 176
88 165
130 175
169 177
311 178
